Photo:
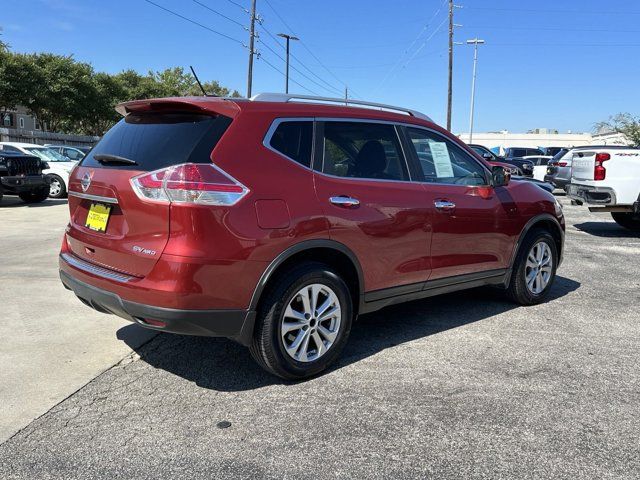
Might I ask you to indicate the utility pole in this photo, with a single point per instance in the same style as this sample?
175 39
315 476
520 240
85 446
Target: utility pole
476 41
346 95
252 34
450 85
288 38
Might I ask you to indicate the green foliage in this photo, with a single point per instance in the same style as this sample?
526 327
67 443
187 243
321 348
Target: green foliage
70 97
624 123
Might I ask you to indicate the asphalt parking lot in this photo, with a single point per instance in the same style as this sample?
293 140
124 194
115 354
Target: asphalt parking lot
461 386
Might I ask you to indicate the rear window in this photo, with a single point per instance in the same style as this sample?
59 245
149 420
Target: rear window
157 141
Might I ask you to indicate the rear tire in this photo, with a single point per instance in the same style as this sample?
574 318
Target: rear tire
35 196
57 188
630 221
294 338
534 269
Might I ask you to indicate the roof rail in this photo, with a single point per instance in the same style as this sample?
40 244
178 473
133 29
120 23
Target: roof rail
284 97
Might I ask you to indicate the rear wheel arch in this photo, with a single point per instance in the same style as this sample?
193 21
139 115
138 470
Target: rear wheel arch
331 253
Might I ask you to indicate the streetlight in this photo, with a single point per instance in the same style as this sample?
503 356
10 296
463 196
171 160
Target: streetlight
288 38
475 42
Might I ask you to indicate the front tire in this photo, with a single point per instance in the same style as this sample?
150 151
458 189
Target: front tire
57 188
630 221
35 196
303 322
534 269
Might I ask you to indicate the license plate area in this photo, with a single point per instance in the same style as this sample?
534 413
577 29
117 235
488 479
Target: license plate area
98 217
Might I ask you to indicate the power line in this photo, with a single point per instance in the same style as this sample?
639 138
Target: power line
217 13
261 57
406 51
307 48
552 12
293 67
194 22
238 5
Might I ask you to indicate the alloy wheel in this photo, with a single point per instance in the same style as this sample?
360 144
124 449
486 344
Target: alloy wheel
311 322
539 267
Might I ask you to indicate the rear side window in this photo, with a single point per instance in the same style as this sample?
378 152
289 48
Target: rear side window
294 140
156 141
362 150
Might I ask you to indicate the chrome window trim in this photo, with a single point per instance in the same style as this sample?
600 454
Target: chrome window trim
96 198
95 269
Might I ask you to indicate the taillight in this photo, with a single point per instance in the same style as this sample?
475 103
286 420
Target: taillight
599 172
562 164
192 183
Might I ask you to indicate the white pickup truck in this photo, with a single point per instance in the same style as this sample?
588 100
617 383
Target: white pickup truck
607 179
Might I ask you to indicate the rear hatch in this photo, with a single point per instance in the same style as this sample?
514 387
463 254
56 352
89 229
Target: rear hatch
582 166
124 232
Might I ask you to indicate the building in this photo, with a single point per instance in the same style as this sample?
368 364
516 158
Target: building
542 137
20 119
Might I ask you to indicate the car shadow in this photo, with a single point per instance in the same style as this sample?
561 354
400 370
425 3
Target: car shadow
223 365
15 202
606 230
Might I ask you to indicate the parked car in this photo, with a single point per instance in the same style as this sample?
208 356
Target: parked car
559 168
551 151
522 167
289 217
22 175
72 153
519 152
539 166
494 160
59 166
607 179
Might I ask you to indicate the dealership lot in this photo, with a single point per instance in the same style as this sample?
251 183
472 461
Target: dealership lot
465 385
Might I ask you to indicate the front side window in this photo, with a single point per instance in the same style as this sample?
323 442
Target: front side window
294 139
442 161
362 150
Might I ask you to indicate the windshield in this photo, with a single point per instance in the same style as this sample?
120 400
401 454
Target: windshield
48 154
559 155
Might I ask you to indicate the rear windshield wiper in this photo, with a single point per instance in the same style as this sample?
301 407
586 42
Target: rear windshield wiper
105 158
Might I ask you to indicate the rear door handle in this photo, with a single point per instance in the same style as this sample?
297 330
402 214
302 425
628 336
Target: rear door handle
444 205
345 202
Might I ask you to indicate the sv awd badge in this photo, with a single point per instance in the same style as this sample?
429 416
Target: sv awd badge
144 251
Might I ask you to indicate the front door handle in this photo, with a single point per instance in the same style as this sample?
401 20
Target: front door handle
345 202
444 205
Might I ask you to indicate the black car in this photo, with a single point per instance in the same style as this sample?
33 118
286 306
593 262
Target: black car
21 175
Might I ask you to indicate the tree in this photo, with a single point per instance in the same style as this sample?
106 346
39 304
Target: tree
623 123
19 80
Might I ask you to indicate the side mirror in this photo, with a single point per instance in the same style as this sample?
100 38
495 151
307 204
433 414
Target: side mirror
487 156
499 177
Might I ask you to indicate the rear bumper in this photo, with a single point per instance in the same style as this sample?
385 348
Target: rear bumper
591 195
233 324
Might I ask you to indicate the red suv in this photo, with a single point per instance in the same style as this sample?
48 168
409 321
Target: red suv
276 221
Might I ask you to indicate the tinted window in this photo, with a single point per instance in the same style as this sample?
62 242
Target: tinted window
72 154
9 148
157 141
560 154
442 161
518 152
294 140
362 150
